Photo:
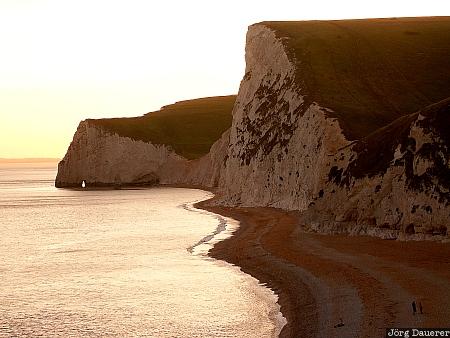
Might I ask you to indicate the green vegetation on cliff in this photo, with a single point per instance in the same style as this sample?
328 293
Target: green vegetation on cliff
370 72
189 127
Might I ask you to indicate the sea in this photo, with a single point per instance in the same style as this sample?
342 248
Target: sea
119 263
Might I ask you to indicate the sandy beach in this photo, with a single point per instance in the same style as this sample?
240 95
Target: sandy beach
367 282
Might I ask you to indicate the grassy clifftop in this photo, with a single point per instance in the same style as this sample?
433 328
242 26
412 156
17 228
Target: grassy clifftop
189 127
370 72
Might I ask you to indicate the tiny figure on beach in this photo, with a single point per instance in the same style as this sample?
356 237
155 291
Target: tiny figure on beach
340 324
83 184
413 304
420 308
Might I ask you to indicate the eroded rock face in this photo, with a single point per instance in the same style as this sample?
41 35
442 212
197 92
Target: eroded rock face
403 191
105 159
280 144
287 152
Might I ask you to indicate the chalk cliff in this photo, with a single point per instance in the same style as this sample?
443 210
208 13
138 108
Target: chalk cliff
393 183
104 159
187 146
280 142
334 119
348 167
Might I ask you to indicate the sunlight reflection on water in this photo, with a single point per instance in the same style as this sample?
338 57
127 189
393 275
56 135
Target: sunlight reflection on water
115 263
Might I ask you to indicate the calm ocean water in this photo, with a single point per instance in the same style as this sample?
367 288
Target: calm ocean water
116 264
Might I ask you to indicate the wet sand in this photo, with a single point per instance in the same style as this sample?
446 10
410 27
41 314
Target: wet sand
368 282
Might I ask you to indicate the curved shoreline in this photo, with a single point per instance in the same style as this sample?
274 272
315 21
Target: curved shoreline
368 282
242 250
225 230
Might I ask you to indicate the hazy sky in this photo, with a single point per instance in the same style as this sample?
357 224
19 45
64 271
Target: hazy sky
63 61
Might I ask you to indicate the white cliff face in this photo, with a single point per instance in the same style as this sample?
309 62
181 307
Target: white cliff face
203 172
409 199
208 170
280 146
283 150
102 158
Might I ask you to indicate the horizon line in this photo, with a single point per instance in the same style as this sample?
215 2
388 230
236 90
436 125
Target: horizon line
29 159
